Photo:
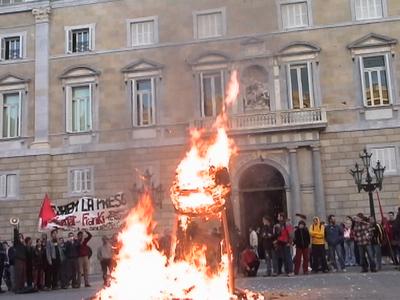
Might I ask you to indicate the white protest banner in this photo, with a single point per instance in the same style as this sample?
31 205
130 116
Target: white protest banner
90 213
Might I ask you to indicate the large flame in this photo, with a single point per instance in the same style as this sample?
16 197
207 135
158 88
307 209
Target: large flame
196 189
143 272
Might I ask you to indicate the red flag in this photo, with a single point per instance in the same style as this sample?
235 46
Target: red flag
46 212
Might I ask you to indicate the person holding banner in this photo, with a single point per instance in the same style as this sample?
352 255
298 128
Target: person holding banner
84 252
377 239
46 266
396 236
54 257
72 264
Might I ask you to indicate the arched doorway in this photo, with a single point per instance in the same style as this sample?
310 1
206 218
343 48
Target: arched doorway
262 192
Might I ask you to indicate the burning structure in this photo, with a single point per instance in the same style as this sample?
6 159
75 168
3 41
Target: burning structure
199 191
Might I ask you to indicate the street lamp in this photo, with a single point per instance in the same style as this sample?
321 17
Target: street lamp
369 185
156 192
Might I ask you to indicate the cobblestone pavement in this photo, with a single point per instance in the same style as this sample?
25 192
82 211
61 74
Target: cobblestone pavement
384 285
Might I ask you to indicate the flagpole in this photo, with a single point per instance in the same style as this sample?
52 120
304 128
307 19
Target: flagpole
384 230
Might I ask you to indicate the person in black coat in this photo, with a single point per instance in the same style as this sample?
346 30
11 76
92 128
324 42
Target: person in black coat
3 258
6 272
302 243
71 259
20 261
29 262
268 237
46 266
38 274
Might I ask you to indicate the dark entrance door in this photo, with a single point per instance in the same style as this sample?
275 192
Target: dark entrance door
262 192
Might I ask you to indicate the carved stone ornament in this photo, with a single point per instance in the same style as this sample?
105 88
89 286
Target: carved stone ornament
256 96
41 14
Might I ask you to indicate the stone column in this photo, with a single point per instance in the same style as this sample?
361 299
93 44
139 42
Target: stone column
319 199
235 199
41 77
294 183
277 87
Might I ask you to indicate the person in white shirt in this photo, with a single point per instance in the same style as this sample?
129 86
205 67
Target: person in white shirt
253 240
105 255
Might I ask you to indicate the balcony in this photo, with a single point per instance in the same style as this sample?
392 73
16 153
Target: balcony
271 121
11 2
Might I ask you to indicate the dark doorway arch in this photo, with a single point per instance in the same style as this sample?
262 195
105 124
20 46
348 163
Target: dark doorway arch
262 192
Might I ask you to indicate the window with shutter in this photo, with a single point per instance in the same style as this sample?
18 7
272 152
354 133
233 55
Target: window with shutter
143 31
386 156
81 181
3 187
209 25
368 9
11 185
295 15
8 185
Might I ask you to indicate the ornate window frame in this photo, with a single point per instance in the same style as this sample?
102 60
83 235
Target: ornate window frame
77 76
143 69
374 44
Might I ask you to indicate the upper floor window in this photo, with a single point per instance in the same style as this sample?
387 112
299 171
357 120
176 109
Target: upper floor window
79 108
143 31
212 93
8 2
79 38
386 156
11 48
8 185
209 24
368 9
81 180
143 101
300 85
295 14
11 106
375 84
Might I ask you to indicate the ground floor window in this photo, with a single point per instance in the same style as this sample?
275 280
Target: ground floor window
8 185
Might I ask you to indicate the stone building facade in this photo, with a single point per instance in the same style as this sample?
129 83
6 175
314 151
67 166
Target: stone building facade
96 92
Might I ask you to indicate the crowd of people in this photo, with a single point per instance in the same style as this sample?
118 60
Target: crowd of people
52 263
322 247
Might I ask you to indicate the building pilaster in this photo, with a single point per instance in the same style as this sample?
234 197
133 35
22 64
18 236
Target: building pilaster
41 139
319 199
294 183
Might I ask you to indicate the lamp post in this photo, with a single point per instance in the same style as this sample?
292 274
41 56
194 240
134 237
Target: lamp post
156 192
367 182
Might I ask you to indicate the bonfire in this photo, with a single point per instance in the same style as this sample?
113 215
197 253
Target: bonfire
200 189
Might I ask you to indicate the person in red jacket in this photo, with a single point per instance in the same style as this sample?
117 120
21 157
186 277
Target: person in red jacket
249 262
84 254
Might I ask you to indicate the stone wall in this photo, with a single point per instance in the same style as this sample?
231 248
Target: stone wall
339 153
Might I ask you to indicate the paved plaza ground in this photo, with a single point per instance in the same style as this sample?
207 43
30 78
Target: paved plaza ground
384 285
